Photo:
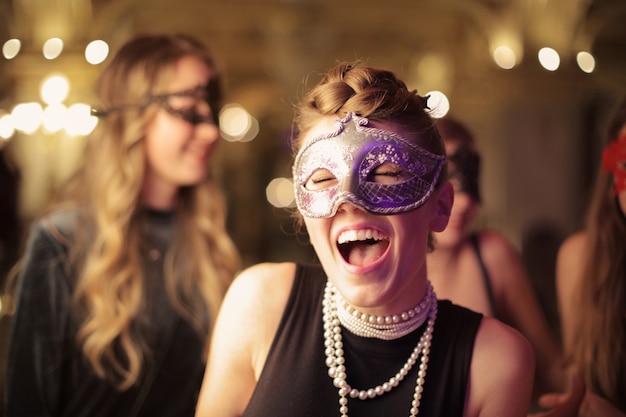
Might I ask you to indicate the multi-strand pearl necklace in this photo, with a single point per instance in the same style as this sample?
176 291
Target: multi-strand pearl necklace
383 327
371 327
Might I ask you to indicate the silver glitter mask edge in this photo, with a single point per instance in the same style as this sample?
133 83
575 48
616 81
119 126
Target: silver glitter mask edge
369 147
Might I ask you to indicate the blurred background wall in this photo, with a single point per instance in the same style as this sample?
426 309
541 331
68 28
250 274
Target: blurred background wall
540 126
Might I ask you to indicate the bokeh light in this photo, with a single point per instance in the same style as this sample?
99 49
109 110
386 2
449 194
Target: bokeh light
54 117
586 62
79 120
504 57
11 48
27 117
52 48
279 193
96 52
236 124
438 104
55 89
549 59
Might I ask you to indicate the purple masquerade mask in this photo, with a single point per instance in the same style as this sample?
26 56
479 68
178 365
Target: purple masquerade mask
350 158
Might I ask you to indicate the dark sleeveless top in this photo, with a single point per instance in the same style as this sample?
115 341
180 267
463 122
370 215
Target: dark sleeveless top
486 278
295 382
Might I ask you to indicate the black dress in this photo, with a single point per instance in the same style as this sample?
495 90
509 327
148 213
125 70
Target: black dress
48 376
294 381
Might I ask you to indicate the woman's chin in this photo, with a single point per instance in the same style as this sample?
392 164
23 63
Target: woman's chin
449 238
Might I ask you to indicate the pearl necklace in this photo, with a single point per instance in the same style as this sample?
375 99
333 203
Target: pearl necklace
383 327
336 362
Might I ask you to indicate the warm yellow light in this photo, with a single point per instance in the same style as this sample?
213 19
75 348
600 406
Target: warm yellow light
237 125
586 62
7 128
55 89
11 48
438 104
549 59
504 57
96 52
79 120
27 117
52 48
54 117
279 192
433 69
506 45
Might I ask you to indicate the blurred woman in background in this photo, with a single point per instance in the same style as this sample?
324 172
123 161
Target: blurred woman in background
123 277
480 269
591 284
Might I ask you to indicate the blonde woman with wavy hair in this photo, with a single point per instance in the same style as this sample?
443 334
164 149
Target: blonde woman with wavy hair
122 279
591 284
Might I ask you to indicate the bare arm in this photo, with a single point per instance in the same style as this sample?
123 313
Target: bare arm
501 373
243 333
569 266
517 305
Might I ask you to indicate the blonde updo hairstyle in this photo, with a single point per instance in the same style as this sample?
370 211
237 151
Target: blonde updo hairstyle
372 93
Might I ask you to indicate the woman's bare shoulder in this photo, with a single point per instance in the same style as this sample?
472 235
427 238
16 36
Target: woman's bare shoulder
574 246
504 389
243 334
503 261
496 244
496 339
263 284
265 272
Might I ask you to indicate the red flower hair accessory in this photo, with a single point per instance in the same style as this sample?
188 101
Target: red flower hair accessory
614 161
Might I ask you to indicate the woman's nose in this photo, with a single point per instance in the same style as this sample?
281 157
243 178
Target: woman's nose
348 207
208 132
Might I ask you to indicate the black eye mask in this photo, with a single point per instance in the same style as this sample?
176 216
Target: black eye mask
189 114
207 93
464 167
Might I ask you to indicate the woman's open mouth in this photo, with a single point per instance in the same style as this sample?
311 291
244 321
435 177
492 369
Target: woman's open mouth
362 247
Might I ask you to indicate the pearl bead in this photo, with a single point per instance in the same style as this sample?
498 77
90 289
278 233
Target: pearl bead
383 327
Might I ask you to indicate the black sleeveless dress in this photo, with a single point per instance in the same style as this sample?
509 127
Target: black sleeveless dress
295 382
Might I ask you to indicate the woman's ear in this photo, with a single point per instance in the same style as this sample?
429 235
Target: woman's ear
443 205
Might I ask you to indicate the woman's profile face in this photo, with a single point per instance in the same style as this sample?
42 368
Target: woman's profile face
177 150
465 207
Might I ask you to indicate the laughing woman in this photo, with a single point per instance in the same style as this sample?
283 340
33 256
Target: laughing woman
363 334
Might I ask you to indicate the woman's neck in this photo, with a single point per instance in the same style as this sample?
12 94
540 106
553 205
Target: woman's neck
158 197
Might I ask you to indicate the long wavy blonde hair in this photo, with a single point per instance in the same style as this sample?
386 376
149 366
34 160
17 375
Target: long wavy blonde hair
108 301
600 335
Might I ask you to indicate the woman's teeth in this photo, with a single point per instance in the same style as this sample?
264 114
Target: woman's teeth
360 235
